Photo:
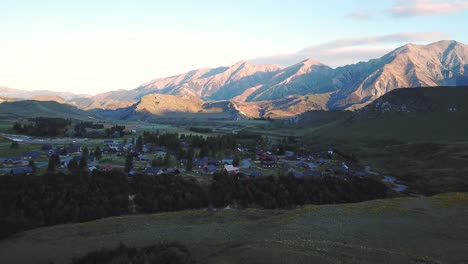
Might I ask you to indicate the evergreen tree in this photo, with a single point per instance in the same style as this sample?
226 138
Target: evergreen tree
73 165
139 144
98 153
83 163
167 159
128 163
236 161
85 152
189 164
14 145
51 167
32 164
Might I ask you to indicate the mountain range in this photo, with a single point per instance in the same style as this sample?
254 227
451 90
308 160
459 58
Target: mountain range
272 91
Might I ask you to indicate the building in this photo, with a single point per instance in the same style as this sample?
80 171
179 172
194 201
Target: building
230 169
22 171
255 174
210 169
153 171
73 149
267 160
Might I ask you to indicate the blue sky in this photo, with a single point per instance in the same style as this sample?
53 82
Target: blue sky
96 46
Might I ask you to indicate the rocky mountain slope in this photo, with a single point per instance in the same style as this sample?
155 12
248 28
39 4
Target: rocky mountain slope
272 91
349 87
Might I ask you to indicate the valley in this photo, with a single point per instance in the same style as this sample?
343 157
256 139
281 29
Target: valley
246 164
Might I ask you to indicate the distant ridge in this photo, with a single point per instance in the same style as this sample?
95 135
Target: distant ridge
272 91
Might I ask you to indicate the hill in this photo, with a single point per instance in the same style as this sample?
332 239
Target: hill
402 230
418 135
409 114
153 106
29 108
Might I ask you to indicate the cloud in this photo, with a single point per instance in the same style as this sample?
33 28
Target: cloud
360 14
351 50
414 8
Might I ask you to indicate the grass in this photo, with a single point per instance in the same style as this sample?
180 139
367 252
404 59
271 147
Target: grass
402 230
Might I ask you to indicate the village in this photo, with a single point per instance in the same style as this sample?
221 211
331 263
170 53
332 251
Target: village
156 159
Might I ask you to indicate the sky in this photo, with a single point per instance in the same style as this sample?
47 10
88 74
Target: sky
94 46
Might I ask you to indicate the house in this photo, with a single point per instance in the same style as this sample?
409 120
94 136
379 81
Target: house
344 166
290 155
267 160
160 154
153 171
210 169
255 174
206 162
109 142
359 173
147 147
323 161
245 164
73 148
302 164
22 171
228 161
15 161
163 149
46 147
298 174
199 163
231 169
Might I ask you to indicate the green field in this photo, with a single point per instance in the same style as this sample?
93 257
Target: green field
402 230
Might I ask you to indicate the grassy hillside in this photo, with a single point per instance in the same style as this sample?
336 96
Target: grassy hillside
419 135
403 230
26 109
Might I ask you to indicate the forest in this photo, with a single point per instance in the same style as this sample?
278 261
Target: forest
161 253
29 202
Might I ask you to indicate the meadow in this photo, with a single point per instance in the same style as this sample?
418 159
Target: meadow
401 230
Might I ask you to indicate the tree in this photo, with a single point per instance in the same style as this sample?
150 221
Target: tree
236 161
14 145
17 127
32 164
73 165
167 160
83 163
52 166
139 144
85 152
128 163
98 153
189 164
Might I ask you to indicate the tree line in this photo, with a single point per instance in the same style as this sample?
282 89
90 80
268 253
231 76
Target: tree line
29 202
43 126
161 253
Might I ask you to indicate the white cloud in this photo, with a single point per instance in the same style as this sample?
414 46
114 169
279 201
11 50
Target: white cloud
412 8
360 14
351 50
